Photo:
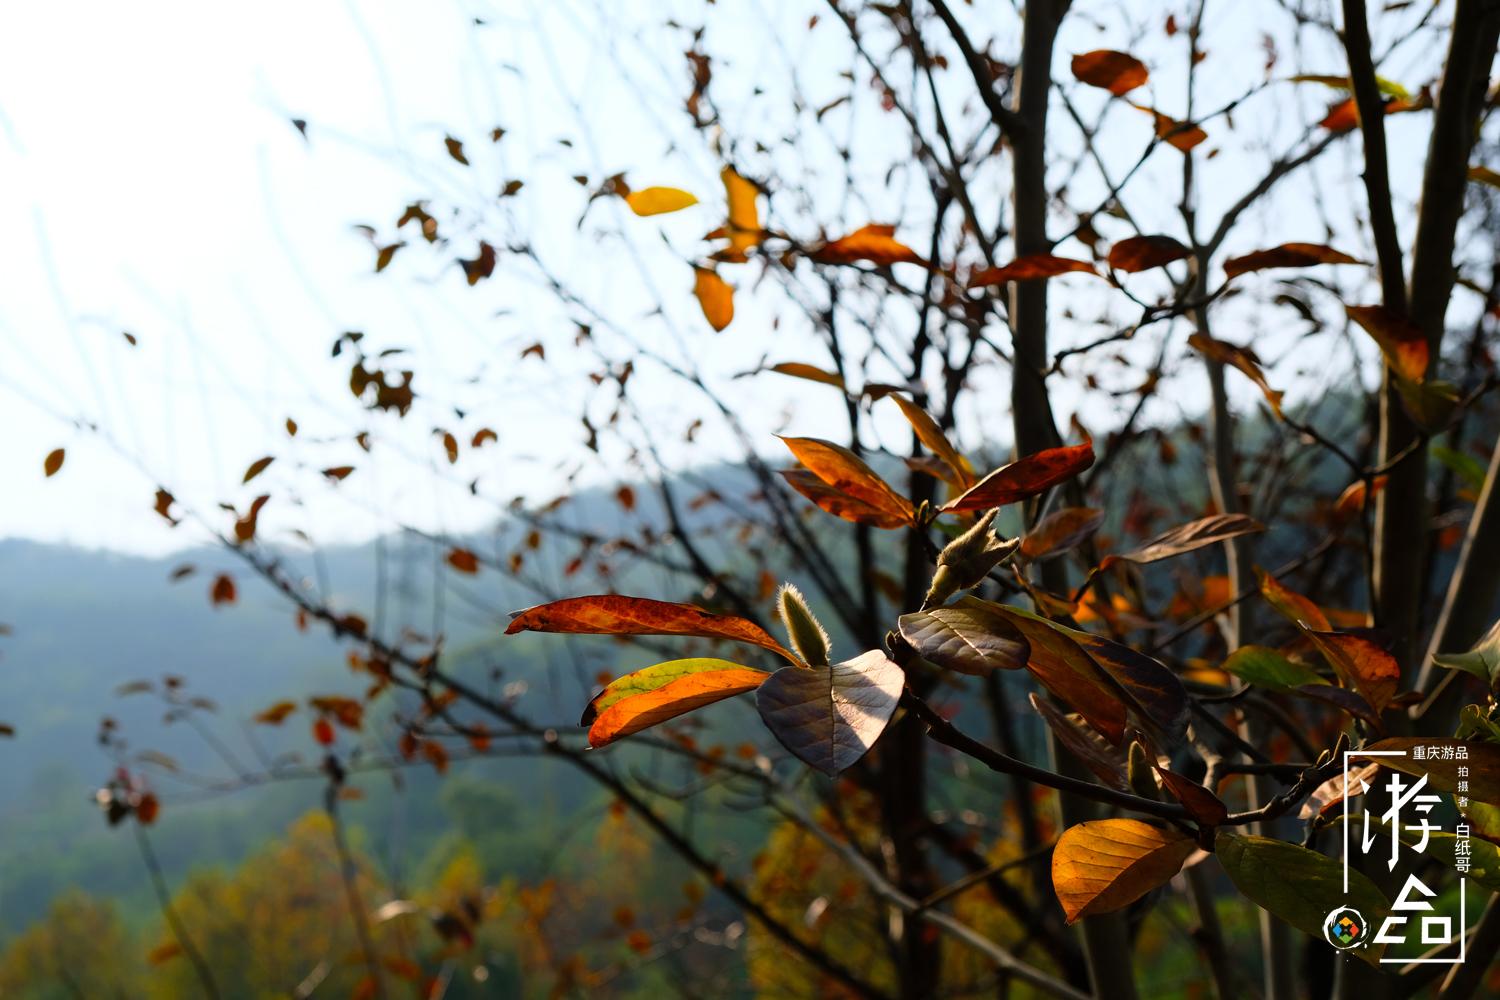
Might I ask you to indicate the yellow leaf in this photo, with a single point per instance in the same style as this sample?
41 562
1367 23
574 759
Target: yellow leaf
715 295
659 200
1101 866
744 216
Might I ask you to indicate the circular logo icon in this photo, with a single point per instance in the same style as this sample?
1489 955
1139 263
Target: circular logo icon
1345 928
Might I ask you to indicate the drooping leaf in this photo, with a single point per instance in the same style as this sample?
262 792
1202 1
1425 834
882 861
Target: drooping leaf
847 473
245 527
222 591
1482 761
1360 664
338 472
1061 531
1238 357
1106 864
616 614
1483 661
1066 669
1177 134
53 462
933 438
463 560
1468 468
1141 253
830 716
1030 267
647 697
659 200
1286 255
838 504
874 243
1400 340
743 228
968 639
1024 478
1291 604
1389 88
1117 72
715 296
811 373
1267 668
1206 808
1154 691
1299 886
481 266
456 149
1080 739
1193 535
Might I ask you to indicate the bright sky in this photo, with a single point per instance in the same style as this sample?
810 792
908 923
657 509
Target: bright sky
152 183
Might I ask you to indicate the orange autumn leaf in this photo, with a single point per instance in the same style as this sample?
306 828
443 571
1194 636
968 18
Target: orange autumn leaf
1360 664
53 462
1030 268
1104 865
933 438
1141 253
1177 134
1024 478
1117 72
846 472
874 243
1291 604
616 614
647 697
1061 531
838 504
1400 340
463 560
715 296
1242 358
276 714
743 226
1286 255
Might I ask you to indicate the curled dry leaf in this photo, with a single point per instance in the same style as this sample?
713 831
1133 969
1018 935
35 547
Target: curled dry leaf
846 472
615 614
1061 531
970 639
1117 72
1024 478
659 200
829 717
1141 253
647 697
1030 268
1206 808
935 441
1193 535
1104 865
715 296
1081 740
874 243
1242 358
1286 255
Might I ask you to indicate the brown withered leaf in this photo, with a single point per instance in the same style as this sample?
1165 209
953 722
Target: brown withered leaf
933 438
222 591
53 462
1193 535
1093 751
1177 134
1061 531
1024 478
1141 253
1030 268
1206 808
1117 72
1400 340
1286 255
616 614
463 560
1242 358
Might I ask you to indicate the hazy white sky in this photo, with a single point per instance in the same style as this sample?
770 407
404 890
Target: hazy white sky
152 183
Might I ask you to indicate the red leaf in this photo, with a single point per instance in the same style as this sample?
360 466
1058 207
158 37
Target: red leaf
1117 72
1141 253
1024 478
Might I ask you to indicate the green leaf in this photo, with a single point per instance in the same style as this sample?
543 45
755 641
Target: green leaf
971 640
1481 762
1299 886
1483 661
830 716
1466 467
1484 857
1267 668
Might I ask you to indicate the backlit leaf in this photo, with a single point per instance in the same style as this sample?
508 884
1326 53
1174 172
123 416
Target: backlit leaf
874 243
743 227
1108 763
1401 341
1030 268
276 714
1238 357
830 716
647 697
1141 253
934 440
847 473
838 504
970 640
1117 72
715 296
1154 691
1292 604
811 373
1300 886
463 560
1061 531
1286 255
659 200
1483 661
1104 865
1024 478
1177 134
1267 668
1360 664
1193 535
1206 808
615 614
